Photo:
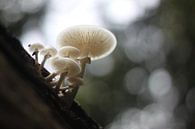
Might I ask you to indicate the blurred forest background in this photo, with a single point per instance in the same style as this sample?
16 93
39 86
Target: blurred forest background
148 82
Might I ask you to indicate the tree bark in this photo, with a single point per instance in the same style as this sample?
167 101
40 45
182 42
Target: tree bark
26 101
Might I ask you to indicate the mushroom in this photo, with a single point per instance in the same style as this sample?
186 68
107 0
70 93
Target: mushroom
35 48
69 51
93 42
47 53
64 67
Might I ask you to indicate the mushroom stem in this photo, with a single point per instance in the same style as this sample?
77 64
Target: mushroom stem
43 62
83 63
51 76
53 83
65 89
35 53
61 79
63 86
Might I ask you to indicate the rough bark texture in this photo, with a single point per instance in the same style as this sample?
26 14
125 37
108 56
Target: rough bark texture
26 101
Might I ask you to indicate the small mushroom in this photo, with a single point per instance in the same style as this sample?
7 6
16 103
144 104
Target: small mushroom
64 67
47 53
34 49
69 51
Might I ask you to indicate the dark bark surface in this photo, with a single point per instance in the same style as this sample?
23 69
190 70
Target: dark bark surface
26 101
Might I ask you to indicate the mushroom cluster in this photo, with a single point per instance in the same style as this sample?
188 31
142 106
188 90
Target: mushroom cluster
77 46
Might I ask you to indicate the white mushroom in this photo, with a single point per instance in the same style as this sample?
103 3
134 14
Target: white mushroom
34 49
92 41
62 64
64 67
50 51
69 51
47 53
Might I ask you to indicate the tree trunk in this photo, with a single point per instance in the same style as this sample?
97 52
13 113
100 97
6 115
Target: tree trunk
26 101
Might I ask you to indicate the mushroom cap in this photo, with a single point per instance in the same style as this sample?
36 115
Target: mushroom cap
35 46
50 50
92 41
69 51
62 64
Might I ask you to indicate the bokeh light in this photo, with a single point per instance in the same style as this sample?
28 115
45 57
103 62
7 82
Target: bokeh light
135 80
152 116
148 4
143 44
123 11
159 83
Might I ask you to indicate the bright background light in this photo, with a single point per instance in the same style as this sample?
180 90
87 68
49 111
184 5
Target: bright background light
61 14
